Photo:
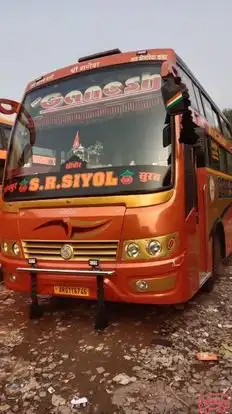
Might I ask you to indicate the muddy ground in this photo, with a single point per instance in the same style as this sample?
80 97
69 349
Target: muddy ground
45 363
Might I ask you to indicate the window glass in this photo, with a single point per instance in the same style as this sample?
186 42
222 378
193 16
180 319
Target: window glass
92 134
214 157
223 161
225 129
208 111
5 135
217 156
216 120
188 82
198 98
229 162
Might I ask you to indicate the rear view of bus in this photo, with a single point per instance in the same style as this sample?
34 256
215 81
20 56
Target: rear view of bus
101 199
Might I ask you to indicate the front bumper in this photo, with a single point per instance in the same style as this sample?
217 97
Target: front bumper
166 280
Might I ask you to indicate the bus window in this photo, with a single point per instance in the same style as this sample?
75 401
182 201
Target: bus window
216 120
188 82
5 136
214 157
199 101
223 161
208 111
225 129
217 156
229 162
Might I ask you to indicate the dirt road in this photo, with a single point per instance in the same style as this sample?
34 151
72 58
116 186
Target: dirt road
45 363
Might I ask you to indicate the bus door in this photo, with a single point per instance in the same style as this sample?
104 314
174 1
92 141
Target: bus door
192 217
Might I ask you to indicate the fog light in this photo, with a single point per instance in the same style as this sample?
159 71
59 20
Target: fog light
142 285
132 250
5 247
16 249
13 278
153 247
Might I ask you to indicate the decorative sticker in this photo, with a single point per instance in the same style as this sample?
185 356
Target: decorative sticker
76 142
149 176
96 94
73 165
126 177
23 185
74 180
214 150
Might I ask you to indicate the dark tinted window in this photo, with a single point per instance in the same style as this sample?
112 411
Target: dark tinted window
5 135
229 162
223 160
217 156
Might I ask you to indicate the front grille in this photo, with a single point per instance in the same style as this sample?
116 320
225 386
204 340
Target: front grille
103 250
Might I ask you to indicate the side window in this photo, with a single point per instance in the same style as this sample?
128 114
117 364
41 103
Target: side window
225 129
216 120
229 162
198 98
223 160
188 82
214 156
217 156
208 111
5 136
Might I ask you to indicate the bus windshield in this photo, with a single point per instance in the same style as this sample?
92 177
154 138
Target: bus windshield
96 133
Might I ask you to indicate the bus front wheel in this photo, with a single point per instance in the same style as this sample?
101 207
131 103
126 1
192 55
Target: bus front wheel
216 267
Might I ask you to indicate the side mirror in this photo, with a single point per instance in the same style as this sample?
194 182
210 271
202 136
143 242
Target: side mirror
8 107
174 92
167 136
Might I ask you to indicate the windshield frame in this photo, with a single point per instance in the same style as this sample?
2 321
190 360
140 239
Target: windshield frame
118 192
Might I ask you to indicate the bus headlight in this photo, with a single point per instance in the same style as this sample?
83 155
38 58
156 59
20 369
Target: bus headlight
153 247
132 250
15 249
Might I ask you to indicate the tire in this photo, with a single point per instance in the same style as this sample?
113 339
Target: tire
217 261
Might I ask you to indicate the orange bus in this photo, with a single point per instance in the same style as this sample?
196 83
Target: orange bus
118 183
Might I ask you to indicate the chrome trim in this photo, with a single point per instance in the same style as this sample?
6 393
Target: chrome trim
83 250
69 271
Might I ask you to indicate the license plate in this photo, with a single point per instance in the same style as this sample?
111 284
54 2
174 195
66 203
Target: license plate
71 291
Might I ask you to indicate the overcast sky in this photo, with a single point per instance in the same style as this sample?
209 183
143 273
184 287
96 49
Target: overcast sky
38 36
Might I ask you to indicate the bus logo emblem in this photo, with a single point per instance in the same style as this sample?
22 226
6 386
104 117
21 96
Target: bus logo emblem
66 252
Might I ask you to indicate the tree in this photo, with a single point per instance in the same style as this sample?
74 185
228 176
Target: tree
228 114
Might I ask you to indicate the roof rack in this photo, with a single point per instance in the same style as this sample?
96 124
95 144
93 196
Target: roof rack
99 55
